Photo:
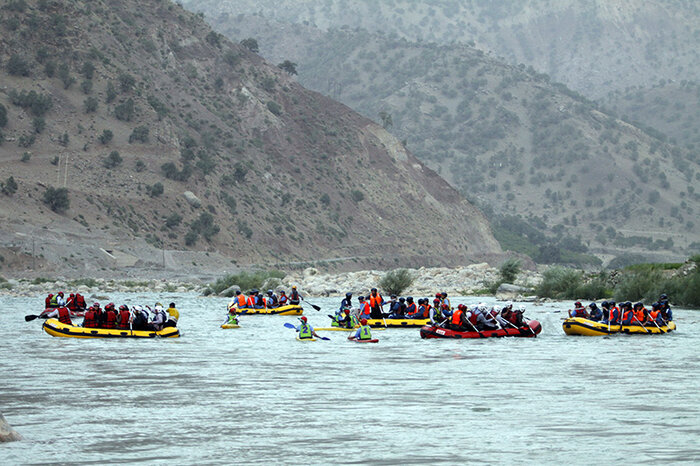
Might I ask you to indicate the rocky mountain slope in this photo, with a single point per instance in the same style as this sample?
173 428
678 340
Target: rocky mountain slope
136 138
558 175
592 46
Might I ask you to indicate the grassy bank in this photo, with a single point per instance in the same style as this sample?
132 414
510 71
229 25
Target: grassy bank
639 282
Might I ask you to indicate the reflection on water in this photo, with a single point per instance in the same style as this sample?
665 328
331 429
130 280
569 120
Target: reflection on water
256 395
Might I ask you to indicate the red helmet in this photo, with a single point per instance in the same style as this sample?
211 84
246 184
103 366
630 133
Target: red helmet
60 293
363 321
347 311
96 305
302 318
123 307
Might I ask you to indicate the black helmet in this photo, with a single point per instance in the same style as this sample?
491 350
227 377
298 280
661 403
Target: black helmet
409 299
348 295
360 298
663 296
638 304
401 300
373 289
605 304
593 306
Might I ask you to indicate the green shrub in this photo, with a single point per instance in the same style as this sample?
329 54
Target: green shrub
396 281
9 187
17 66
510 269
106 136
125 111
113 160
3 116
559 282
139 134
57 199
156 190
274 107
90 104
245 280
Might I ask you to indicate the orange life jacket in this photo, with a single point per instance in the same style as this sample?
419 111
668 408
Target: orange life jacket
364 310
640 315
423 310
375 301
654 314
64 316
411 309
241 300
457 317
251 301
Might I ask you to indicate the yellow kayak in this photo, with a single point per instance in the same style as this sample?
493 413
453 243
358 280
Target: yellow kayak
305 339
581 326
289 310
57 329
342 329
230 326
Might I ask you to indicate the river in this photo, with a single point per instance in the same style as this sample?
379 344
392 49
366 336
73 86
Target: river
256 395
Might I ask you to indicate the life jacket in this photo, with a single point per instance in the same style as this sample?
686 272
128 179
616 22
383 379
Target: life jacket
80 301
365 333
640 315
251 301
457 318
64 316
283 300
305 331
471 316
90 320
259 301
364 310
437 316
375 301
53 302
294 297
654 314
47 302
612 315
241 300
124 316
411 309
578 312
111 319
72 305
627 315
422 310
271 301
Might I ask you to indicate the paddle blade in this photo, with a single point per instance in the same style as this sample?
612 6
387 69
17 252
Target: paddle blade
288 325
318 308
30 317
325 338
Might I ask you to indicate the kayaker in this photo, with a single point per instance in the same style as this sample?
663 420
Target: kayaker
283 299
173 316
123 317
364 332
365 311
347 321
294 296
345 305
232 317
375 304
595 314
53 302
272 300
306 331
484 319
62 313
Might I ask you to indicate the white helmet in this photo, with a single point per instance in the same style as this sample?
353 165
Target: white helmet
138 308
521 308
482 307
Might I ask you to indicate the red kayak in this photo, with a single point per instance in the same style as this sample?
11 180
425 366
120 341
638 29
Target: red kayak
530 330
72 313
373 340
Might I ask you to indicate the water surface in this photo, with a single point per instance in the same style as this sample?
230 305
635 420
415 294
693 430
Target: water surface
256 395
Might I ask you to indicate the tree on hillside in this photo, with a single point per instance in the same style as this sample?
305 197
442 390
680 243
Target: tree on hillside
288 66
251 44
3 116
387 121
57 199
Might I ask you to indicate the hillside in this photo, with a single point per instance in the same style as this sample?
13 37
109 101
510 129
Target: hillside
594 47
137 139
558 176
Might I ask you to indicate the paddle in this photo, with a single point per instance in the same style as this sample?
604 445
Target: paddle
32 317
657 326
635 318
318 308
288 325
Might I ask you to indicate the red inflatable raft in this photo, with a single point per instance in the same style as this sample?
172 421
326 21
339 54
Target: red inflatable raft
530 330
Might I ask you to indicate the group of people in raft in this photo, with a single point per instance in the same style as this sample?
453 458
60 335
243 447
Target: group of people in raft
111 317
625 313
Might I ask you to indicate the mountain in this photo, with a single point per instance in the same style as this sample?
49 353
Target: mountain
594 47
135 138
558 176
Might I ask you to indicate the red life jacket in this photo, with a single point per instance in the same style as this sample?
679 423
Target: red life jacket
364 310
457 317
64 316
283 300
472 318
111 319
90 319
241 300
47 302
124 316
251 301
80 301
423 310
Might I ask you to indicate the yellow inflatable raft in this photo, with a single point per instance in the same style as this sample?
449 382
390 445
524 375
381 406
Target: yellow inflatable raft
581 326
57 329
289 310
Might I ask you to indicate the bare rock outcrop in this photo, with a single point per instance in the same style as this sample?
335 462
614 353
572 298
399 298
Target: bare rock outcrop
7 433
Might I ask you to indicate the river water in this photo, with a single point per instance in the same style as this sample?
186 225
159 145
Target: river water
256 395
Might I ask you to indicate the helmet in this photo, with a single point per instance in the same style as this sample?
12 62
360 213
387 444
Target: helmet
158 307
112 305
437 295
409 299
269 291
393 296
60 293
123 307
294 287
347 311
159 304
639 304
577 303
282 292
138 308
663 296
71 295
348 295
402 300
605 304
363 321
593 306
436 301
302 318
611 303
95 304
509 304
521 308
461 306
373 289
50 295
443 294
361 298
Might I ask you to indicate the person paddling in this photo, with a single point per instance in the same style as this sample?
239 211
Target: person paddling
306 331
294 296
232 317
173 316
363 333
63 315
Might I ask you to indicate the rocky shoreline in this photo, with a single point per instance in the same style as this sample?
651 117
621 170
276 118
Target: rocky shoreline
466 280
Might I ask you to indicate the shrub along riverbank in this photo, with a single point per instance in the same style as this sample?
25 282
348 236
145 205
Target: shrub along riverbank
640 282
